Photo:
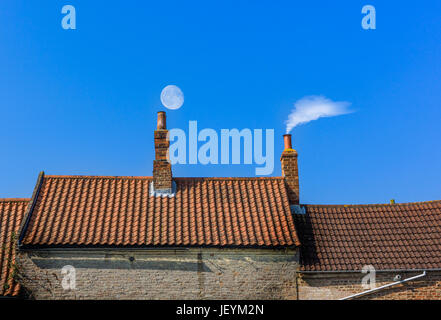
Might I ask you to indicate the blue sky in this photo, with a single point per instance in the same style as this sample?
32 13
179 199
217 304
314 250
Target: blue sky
84 101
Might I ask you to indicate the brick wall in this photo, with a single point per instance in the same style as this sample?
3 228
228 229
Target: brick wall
162 274
338 285
162 173
290 172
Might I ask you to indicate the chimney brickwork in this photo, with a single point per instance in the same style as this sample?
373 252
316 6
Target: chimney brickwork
162 173
290 170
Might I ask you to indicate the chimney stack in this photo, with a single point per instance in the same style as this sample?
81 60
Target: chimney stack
162 174
290 170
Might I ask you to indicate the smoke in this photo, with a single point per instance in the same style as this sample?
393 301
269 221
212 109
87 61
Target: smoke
313 107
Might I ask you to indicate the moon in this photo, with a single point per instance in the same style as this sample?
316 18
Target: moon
172 97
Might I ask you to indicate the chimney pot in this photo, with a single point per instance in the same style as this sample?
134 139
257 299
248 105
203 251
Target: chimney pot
162 124
287 140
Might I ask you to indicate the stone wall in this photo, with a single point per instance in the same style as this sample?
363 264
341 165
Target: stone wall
327 286
161 274
192 274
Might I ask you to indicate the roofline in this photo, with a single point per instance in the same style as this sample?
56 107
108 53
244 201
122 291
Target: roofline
368 204
30 208
14 200
97 177
151 178
359 271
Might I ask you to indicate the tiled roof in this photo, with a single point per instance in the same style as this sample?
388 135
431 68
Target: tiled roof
120 211
396 236
11 214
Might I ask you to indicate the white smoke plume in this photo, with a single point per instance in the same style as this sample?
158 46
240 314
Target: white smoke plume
313 107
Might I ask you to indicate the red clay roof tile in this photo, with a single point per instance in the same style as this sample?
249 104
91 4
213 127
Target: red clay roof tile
11 215
119 211
345 238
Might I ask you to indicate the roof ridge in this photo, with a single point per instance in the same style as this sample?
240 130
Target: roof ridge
370 204
150 177
228 178
96 177
14 199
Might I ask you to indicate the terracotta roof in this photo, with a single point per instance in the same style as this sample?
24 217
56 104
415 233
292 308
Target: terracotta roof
11 214
119 211
397 236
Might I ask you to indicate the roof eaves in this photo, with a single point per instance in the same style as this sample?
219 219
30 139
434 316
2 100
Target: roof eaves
376 270
57 247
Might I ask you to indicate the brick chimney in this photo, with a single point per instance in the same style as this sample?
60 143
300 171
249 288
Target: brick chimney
290 170
162 173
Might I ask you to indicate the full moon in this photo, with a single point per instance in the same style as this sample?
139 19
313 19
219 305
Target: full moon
172 97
